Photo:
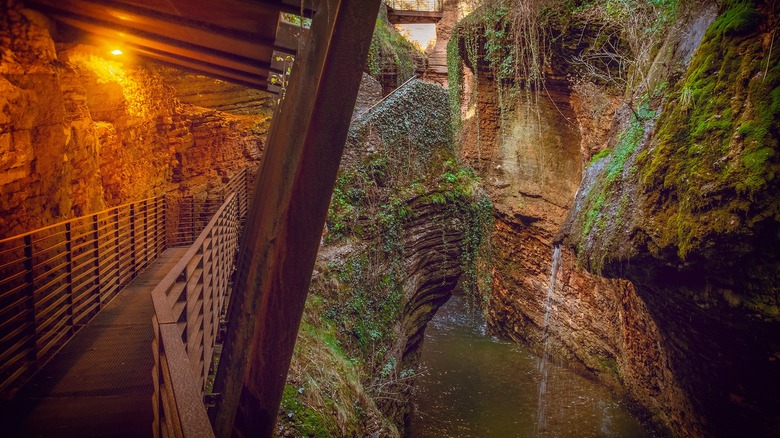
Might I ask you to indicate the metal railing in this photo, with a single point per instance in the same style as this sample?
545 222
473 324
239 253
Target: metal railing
415 5
55 279
188 304
188 215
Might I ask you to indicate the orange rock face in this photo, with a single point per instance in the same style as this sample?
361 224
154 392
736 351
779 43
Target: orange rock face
81 131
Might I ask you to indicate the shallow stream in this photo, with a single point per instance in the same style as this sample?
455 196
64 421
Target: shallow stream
475 385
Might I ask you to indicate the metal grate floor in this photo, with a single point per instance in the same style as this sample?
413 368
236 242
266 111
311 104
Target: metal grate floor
100 383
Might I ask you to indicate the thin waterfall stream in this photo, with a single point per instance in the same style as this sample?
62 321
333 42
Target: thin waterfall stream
541 422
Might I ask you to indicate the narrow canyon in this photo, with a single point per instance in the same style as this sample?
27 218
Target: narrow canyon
588 190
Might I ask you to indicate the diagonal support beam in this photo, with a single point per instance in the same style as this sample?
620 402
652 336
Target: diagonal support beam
287 216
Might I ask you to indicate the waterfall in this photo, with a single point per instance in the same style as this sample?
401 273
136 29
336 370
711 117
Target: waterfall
541 421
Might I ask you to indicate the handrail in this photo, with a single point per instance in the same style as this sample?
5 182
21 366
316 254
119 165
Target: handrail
188 303
55 279
188 215
371 108
47 227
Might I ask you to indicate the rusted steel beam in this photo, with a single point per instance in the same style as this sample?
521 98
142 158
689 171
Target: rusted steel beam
286 217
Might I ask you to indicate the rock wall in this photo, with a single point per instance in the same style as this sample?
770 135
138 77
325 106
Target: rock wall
437 55
532 156
688 211
82 132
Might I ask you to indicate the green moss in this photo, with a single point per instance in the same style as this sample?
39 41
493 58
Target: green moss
391 53
609 365
754 162
593 212
455 84
606 187
306 420
741 18
628 140
717 152
604 153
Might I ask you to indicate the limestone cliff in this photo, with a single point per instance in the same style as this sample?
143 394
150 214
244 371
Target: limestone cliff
82 132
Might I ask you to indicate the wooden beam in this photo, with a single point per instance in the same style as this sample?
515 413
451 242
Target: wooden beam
288 7
413 17
133 15
257 83
149 39
199 64
287 215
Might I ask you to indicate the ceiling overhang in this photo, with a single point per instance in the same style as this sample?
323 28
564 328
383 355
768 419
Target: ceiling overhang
232 40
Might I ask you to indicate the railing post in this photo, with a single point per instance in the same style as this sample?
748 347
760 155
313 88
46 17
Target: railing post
29 279
157 213
117 252
98 274
146 232
161 234
192 219
132 240
69 270
163 229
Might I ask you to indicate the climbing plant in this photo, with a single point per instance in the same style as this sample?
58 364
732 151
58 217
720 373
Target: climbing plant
412 164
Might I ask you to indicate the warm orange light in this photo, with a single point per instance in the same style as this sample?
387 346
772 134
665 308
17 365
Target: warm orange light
116 52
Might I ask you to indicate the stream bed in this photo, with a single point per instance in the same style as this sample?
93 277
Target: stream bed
475 385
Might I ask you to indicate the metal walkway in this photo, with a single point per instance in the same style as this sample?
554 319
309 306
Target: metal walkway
100 383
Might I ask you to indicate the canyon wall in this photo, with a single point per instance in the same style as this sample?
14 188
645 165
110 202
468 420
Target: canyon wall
403 221
82 131
631 304
600 326
686 208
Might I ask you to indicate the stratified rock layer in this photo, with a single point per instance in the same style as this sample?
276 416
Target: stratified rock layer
531 155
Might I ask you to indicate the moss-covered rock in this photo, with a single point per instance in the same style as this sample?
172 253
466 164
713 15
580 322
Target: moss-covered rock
686 206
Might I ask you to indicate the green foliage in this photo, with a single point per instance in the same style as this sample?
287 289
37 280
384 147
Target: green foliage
391 53
369 302
628 140
413 128
593 213
376 196
602 154
455 84
614 172
508 39
741 18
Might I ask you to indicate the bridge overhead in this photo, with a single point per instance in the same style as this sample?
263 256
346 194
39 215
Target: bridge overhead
414 11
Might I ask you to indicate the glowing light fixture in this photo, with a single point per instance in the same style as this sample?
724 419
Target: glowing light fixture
116 52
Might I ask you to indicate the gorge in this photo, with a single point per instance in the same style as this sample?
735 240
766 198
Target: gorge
597 179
